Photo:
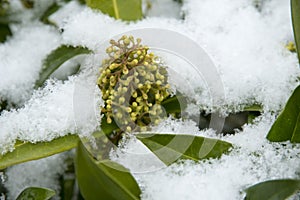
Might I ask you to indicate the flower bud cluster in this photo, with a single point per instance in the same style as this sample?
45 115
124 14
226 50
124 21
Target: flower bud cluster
133 83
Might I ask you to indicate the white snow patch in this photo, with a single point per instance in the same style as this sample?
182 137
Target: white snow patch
56 110
39 173
162 8
248 48
21 60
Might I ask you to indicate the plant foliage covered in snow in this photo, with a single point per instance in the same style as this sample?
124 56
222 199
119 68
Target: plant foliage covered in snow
247 41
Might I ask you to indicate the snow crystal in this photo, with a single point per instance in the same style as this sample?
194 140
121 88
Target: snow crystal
39 173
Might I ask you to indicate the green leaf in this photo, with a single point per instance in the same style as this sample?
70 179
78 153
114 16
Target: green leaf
273 189
175 104
108 128
253 108
36 193
56 58
287 125
24 152
4 32
171 147
52 9
103 179
119 9
295 8
29 4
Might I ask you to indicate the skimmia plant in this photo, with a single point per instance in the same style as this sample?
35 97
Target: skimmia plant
133 83
135 88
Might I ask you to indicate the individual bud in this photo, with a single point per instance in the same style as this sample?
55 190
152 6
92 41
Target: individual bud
128 129
119 115
143 129
126 41
108 120
134 94
145 96
125 70
121 100
146 109
133 114
109 50
128 109
157 96
138 99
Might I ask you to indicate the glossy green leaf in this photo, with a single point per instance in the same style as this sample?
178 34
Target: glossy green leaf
56 58
119 9
103 179
24 152
36 193
171 147
287 125
295 9
273 190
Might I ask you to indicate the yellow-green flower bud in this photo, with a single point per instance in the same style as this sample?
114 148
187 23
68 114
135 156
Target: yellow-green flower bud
132 73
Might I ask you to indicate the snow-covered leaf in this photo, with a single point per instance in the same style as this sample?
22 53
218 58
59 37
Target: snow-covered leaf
171 147
103 179
273 189
25 151
36 193
56 58
287 125
119 9
295 7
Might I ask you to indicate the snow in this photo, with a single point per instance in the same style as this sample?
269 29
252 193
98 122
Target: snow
21 58
54 111
253 159
247 46
42 173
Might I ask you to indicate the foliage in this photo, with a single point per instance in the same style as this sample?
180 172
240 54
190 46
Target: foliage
56 58
126 10
295 7
36 193
169 147
273 190
97 176
109 179
26 151
286 127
